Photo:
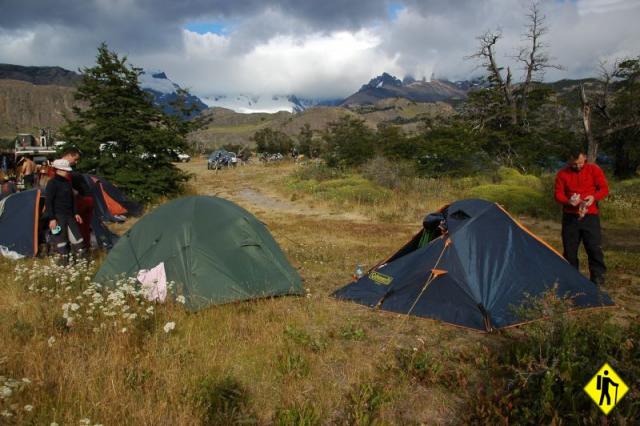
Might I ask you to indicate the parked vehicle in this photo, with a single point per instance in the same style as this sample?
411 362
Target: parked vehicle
221 158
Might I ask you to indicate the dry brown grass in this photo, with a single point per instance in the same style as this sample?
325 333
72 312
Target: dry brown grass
285 352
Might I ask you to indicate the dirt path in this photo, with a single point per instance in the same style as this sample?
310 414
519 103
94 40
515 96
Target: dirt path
250 186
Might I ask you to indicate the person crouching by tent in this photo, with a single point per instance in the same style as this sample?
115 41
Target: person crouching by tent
60 211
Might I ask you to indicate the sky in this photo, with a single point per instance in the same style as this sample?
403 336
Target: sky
311 48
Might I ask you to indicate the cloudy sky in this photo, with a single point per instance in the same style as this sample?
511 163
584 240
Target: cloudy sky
312 48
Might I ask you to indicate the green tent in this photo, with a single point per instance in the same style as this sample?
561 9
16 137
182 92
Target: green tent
215 251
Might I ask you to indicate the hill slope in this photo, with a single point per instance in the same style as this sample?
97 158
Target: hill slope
39 75
222 126
25 107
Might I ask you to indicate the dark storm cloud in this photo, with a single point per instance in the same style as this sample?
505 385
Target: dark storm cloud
327 14
308 46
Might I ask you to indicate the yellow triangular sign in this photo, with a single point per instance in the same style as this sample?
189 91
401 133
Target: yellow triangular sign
606 388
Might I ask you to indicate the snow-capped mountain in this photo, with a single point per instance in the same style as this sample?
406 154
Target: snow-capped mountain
247 104
387 86
165 92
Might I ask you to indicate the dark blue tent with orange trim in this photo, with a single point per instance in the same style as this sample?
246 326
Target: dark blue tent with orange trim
479 267
22 230
19 222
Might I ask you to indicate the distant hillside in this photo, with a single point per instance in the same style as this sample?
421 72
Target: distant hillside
387 86
39 75
222 126
38 97
26 107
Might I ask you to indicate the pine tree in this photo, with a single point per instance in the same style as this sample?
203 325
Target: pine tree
122 136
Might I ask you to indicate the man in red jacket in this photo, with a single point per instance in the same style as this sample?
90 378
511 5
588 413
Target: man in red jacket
579 188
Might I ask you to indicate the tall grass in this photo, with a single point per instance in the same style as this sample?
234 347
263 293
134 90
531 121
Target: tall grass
291 360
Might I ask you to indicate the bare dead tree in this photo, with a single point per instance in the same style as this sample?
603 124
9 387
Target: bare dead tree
600 105
534 57
592 145
487 57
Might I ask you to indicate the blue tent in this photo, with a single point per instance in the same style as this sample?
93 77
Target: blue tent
478 267
19 222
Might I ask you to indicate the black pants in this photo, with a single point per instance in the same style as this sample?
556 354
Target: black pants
28 181
69 238
587 230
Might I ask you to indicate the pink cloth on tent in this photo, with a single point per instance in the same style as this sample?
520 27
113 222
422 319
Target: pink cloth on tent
154 282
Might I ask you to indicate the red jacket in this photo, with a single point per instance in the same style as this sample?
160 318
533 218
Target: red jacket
590 180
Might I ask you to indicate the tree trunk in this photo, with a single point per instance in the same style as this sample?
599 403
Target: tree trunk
510 101
592 145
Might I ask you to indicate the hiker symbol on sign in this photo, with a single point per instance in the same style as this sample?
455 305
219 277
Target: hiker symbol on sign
606 388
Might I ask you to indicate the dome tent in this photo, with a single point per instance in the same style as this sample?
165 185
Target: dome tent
481 265
215 251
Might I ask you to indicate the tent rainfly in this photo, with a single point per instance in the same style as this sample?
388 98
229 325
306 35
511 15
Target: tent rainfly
471 266
215 251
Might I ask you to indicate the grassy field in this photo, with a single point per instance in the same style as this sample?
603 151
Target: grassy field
292 360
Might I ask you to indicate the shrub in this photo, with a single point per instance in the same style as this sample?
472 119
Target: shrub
318 171
517 199
518 193
301 337
352 332
292 364
388 173
363 403
349 142
352 189
225 401
623 201
298 415
537 378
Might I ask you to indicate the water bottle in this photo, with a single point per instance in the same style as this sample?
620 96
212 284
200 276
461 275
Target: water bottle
359 273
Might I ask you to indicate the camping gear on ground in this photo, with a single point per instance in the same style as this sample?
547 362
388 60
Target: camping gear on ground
481 265
154 282
215 251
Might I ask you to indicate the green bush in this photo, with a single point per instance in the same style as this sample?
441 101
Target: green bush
623 202
519 194
225 401
352 189
510 176
298 415
538 377
391 174
516 199
318 171
349 142
302 338
364 402
292 364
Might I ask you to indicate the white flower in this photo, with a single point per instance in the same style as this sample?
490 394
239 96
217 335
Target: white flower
169 326
150 310
85 421
53 424
5 391
25 380
5 413
124 330
28 407
181 299
51 341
